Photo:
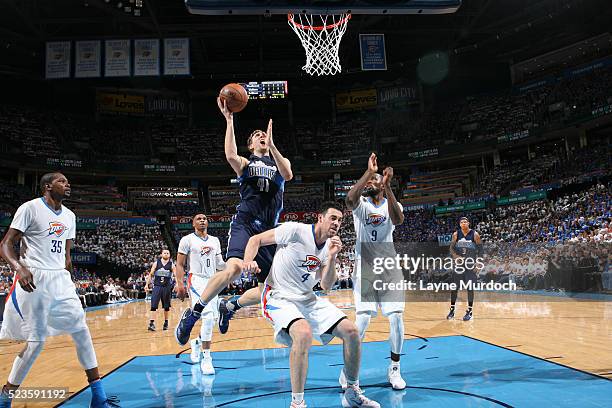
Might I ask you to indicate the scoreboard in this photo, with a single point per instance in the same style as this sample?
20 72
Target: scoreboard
266 89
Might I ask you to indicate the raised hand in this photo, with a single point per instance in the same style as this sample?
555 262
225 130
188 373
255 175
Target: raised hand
387 176
372 164
222 103
269 133
335 245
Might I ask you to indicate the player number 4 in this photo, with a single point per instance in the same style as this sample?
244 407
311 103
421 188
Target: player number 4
305 277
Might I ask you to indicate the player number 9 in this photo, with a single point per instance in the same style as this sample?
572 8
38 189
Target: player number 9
374 235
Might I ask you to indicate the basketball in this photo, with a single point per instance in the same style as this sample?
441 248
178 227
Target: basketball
235 96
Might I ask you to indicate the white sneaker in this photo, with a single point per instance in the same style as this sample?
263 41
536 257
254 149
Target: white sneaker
206 366
195 351
395 377
342 380
298 404
354 398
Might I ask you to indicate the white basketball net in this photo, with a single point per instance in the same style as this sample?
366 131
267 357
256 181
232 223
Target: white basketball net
320 36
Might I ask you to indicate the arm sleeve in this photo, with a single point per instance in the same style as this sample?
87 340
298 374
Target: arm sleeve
23 218
183 247
286 233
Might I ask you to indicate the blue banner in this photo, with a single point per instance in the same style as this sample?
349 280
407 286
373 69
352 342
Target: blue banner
83 258
373 55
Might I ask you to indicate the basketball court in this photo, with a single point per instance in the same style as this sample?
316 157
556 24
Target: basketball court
519 351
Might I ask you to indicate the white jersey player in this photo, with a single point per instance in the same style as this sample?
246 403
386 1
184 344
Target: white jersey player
375 218
200 255
43 300
305 255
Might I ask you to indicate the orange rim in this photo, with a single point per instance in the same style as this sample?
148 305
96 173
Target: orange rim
317 28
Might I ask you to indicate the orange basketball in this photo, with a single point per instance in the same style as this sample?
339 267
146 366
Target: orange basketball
235 96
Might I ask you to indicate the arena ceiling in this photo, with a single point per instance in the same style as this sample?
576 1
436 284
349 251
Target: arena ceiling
253 46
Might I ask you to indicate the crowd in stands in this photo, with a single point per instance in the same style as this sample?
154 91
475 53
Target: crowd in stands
130 247
173 208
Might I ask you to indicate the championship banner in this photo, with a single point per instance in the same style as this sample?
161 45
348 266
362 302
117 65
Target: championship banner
120 104
117 58
57 63
363 99
87 59
146 57
176 56
373 54
83 258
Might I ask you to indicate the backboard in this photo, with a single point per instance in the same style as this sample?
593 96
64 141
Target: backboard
268 7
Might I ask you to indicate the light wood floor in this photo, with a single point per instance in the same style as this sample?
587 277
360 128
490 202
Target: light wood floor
570 332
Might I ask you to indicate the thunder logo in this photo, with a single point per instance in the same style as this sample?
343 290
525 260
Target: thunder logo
375 219
312 263
205 250
57 228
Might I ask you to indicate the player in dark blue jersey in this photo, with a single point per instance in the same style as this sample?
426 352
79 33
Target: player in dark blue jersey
161 278
262 180
465 244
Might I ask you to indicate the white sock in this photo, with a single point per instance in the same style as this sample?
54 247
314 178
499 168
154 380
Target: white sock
206 353
297 397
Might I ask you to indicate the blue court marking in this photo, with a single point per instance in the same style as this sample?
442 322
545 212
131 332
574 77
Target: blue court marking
454 371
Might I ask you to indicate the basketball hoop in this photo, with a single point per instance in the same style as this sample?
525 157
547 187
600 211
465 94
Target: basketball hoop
320 35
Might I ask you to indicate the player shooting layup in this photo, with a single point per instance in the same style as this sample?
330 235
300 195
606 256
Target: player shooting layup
375 218
43 300
262 181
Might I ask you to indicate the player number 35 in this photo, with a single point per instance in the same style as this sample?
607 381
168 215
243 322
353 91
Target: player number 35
56 246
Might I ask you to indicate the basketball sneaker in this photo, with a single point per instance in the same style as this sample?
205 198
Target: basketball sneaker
206 366
298 404
395 377
451 314
353 397
165 325
111 402
151 326
195 351
225 315
467 316
184 326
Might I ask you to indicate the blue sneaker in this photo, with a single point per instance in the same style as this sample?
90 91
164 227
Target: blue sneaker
5 401
468 316
110 402
183 329
225 315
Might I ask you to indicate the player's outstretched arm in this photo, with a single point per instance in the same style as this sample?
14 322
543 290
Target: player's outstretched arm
231 150
7 251
328 273
396 212
283 164
180 275
352 198
250 252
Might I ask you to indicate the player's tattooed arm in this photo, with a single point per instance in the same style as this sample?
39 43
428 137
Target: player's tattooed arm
237 162
283 164
180 275
7 251
395 210
352 198
69 243
328 272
